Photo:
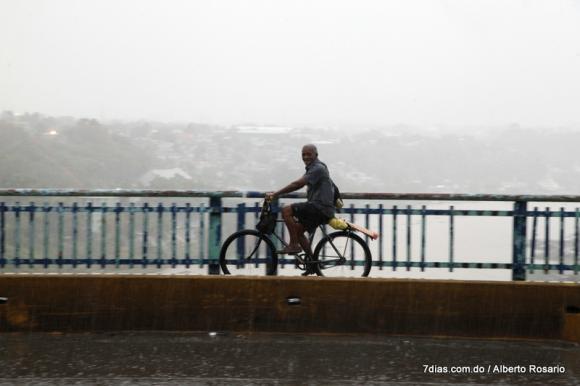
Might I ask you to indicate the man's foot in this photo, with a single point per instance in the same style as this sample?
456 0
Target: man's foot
289 250
309 271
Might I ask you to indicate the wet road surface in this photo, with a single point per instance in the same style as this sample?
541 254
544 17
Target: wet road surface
161 358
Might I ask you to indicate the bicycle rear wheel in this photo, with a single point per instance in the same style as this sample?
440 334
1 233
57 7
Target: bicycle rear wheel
355 251
248 252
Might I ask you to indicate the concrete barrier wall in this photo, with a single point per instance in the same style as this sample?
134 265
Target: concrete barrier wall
277 304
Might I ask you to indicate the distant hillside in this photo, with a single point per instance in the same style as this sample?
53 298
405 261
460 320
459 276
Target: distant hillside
63 152
48 152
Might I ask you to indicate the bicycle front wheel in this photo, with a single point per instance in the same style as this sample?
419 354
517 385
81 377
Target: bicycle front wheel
248 252
342 254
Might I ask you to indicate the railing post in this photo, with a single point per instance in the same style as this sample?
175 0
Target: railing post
2 235
215 225
519 241
275 209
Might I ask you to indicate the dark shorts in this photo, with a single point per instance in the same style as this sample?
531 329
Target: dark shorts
308 215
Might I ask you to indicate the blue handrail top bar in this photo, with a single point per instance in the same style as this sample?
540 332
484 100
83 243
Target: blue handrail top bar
259 194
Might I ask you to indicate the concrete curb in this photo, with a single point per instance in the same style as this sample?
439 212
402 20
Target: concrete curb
290 304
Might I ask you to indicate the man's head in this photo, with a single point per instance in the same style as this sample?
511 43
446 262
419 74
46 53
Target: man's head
309 154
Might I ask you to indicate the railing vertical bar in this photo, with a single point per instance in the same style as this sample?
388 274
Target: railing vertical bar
533 246
17 210
282 233
118 210
160 210
276 209
325 227
576 231
241 241
103 235
145 240
60 235
561 251
352 244
269 255
367 225
75 234
45 225
241 244
408 237
258 254
131 234
279 244
2 235
367 221
31 244
394 263
89 235
547 241
381 256
173 235
202 211
423 236
282 236
451 239
241 217
519 240
188 210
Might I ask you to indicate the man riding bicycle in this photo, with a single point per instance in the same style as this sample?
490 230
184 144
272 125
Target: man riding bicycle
319 209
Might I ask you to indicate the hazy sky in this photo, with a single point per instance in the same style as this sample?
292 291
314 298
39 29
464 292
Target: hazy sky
312 62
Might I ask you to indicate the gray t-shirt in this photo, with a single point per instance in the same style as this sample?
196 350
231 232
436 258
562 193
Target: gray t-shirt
319 187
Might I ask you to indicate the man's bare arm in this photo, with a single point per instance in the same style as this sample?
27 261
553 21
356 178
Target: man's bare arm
291 187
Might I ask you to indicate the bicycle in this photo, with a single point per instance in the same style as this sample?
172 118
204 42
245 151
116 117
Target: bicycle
253 251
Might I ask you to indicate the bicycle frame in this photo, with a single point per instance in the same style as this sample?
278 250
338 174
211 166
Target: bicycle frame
327 263
304 258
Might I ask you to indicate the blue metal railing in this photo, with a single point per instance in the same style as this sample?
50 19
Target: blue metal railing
130 235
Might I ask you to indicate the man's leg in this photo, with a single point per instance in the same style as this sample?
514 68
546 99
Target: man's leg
303 240
294 229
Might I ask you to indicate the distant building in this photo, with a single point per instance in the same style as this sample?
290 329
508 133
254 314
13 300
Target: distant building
263 129
167 174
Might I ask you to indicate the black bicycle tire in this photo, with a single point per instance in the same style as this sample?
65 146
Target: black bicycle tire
368 257
244 232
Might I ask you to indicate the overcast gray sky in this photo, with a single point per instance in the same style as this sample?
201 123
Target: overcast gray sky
311 62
